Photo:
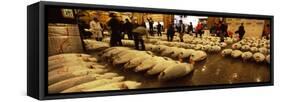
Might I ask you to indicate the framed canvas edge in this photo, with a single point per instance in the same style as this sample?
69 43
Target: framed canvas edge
43 53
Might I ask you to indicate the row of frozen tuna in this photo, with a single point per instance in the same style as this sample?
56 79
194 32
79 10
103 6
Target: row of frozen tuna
208 47
95 45
177 53
206 43
212 47
253 45
127 43
68 73
255 42
205 39
176 50
258 57
145 61
208 39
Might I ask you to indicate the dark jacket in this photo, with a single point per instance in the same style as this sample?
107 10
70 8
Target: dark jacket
190 27
241 30
115 27
224 28
150 22
128 27
171 31
181 28
159 27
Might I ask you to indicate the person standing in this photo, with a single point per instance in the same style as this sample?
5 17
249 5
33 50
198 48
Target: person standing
122 29
190 28
224 29
181 30
266 31
103 29
221 31
139 33
150 22
95 29
114 25
82 26
241 31
199 29
159 29
128 27
218 28
213 28
170 32
135 24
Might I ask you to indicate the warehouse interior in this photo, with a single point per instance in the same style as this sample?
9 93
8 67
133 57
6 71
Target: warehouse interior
202 54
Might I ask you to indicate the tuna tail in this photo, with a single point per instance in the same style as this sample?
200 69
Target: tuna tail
192 62
161 75
126 65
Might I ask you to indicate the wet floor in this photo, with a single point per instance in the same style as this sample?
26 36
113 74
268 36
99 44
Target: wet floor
211 71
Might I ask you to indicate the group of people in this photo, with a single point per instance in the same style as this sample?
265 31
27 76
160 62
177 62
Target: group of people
159 27
220 29
117 29
181 29
137 31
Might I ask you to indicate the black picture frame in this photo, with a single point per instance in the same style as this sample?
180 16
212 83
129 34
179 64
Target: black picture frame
38 45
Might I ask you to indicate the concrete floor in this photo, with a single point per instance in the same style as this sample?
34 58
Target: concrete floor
211 71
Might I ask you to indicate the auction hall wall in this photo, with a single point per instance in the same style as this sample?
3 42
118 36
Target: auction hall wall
63 32
103 16
253 27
